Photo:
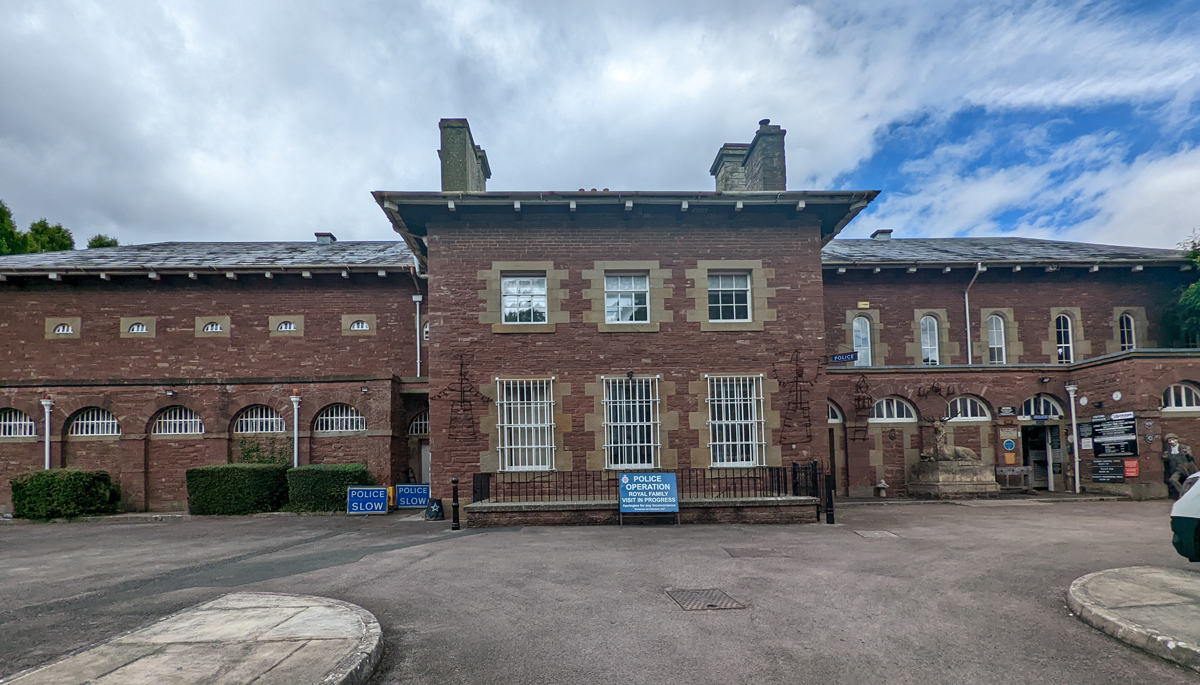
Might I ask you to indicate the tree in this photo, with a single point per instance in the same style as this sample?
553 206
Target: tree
11 241
101 240
1181 322
43 237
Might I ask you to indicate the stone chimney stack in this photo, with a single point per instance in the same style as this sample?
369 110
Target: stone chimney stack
464 164
727 167
765 166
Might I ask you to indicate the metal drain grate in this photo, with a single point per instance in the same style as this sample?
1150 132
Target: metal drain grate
737 552
704 600
875 534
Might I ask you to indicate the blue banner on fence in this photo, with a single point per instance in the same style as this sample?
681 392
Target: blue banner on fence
362 500
412 495
847 357
649 493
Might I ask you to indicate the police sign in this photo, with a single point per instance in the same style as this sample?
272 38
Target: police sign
649 493
412 495
847 357
364 500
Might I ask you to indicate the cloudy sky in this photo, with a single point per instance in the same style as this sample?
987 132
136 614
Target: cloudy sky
269 120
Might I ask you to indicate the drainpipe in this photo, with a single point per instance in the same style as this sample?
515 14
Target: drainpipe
979 268
417 299
295 429
47 407
1071 389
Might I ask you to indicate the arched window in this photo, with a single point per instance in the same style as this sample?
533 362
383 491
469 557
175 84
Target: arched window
425 331
15 423
1181 397
94 421
420 424
360 325
178 421
63 329
259 418
1041 405
286 326
1064 339
138 327
929 341
835 414
1128 337
339 418
967 408
892 410
997 349
862 340
213 327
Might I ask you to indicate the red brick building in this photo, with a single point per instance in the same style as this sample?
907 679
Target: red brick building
575 335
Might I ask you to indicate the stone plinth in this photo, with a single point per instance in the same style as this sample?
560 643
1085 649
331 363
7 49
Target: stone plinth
953 480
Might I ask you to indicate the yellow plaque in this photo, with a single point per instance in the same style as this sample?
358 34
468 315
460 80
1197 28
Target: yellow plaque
864 305
1010 457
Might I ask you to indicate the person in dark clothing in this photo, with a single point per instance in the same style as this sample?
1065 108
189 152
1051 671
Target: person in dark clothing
1180 463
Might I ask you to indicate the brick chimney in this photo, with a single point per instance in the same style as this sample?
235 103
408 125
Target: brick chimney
464 164
765 166
727 167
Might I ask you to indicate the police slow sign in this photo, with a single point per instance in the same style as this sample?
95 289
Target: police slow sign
649 493
363 500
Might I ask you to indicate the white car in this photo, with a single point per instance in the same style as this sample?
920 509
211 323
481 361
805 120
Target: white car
1185 520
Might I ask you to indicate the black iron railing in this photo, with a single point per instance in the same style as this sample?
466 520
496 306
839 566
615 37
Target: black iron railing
722 483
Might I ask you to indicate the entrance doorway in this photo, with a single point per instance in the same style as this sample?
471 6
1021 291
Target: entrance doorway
1040 444
425 475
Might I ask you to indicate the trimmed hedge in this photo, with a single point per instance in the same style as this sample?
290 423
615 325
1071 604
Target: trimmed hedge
235 489
322 487
64 493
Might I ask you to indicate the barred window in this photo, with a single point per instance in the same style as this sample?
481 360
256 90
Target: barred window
523 298
213 327
1128 337
178 421
631 422
929 341
94 421
967 408
15 423
892 410
138 327
862 340
997 349
1041 405
626 298
1181 397
64 329
729 297
420 424
339 418
360 325
1063 338
525 424
286 326
835 414
736 427
259 418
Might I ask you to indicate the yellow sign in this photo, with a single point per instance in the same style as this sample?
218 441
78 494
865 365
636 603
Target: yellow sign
1010 457
864 305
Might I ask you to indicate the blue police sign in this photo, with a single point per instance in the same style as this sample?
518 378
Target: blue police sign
412 495
362 500
649 493
847 357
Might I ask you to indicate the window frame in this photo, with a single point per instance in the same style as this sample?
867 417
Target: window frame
635 422
748 294
835 414
1127 334
633 292
508 277
525 428
908 415
1059 345
93 422
993 357
419 426
742 434
15 423
259 416
1039 401
854 337
936 347
334 419
977 410
177 420
1186 391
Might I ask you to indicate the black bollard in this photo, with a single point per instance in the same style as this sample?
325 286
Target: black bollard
454 506
830 484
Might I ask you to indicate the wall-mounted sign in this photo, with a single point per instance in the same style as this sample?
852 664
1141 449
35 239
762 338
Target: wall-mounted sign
1121 416
1115 437
1085 430
1131 468
1108 470
1086 444
649 493
1117 396
1010 458
412 495
1007 411
864 305
847 357
363 500
1010 445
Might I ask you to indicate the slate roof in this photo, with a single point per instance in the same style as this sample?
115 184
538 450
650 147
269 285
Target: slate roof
991 250
217 256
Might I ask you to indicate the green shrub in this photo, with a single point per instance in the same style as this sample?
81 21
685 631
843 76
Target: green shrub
322 487
236 489
64 493
264 451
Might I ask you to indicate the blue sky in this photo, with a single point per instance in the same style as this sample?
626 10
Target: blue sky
224 120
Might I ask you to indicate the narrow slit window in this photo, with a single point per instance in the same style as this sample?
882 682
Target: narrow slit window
929 341
997 347
862 340
736 429
1064 339
525 424
1128 334
631 422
